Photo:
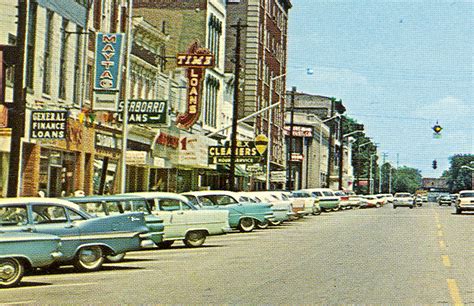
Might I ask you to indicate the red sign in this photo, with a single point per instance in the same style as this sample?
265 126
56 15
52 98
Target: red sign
299 131
363 183
196 60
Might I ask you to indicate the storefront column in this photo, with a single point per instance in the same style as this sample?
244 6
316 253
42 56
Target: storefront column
31 169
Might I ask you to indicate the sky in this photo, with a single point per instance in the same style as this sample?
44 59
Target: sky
398 66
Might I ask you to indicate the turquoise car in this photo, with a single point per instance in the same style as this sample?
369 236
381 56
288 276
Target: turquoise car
328 200
108 205
242 215
23 251
85 240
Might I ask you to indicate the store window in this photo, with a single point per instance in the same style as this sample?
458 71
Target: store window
105 170
57 171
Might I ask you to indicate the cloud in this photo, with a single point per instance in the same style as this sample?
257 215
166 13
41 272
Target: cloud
445 108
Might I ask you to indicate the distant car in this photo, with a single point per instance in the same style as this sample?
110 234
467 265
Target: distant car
465 201
85 240
344 202
445 200
242 215
355 201
183 221
282 210
23 251
389 197
454 197
328 200
370 201
382 199
424 198
418 201
403 199
304 203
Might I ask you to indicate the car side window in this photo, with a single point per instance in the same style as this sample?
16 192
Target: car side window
13 215
96 209
169 205
206 201
225 200
74 216
49 214
185 206
112 208
134 205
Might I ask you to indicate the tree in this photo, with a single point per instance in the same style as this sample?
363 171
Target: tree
406 179
459 178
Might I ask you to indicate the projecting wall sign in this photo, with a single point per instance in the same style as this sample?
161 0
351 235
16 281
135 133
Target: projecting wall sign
48 124
196 61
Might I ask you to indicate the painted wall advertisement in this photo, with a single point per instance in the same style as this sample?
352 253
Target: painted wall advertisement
108 64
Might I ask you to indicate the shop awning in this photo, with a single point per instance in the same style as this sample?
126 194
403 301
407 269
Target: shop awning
239 171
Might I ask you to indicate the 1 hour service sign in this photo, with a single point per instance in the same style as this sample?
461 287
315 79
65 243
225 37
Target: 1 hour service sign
48 124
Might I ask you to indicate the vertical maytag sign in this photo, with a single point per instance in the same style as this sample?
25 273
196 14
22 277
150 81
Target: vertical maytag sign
107 77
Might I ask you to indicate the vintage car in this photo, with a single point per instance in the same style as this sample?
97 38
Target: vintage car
282 210
403 199
465 201
242 215
23 251
304 203
183 221
85 240
328 200
107 205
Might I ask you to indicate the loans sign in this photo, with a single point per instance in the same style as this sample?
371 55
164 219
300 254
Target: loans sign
196 60
48 124
144 111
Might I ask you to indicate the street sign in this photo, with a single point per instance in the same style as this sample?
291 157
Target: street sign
261 143
145 111
278 176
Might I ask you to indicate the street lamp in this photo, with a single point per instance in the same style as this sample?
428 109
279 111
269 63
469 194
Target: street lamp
269 134
341 155
352 133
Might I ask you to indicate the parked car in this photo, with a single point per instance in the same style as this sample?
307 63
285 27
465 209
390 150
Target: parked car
424 198
370 201
355 201
304 203
388 196
403 199
184 221
454 198
327 199
85 240
344 202
382 199
282 210
418 201
20 252
107 205
445 200
465 201
242 215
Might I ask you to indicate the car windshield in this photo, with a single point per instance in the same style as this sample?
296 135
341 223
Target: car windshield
217 199
328 193
402 195
466 195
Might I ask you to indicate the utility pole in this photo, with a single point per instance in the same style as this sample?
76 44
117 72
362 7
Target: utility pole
19 103
384 155
235 111
290 150
341 152
390 180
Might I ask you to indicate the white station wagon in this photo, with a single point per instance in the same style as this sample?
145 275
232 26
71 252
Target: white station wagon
183 221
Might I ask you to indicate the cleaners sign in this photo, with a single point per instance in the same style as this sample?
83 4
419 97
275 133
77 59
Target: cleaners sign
108 62
48 124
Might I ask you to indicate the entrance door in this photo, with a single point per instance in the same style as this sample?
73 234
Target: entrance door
54 188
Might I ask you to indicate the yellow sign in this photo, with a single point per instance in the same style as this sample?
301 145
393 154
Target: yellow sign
261 143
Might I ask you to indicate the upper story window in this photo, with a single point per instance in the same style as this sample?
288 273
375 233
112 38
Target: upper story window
215 28
47 53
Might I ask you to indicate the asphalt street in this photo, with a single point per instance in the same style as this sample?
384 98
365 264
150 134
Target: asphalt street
366 256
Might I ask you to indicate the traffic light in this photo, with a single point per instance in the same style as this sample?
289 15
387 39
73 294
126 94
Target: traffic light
435 164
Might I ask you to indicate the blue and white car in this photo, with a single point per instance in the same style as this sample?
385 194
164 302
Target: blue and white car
242 215
85 240
20 252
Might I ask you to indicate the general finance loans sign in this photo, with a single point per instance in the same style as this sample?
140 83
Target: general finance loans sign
108 62
48 124
144 111
196 60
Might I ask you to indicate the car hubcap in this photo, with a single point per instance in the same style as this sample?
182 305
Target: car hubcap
8 270
194 236
90 256
247 222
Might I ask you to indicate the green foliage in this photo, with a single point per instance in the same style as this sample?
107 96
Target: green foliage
459 178
406 179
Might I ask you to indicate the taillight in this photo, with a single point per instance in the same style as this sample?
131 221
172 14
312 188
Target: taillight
344 198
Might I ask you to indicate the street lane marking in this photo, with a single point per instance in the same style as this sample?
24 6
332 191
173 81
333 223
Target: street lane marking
442 244
446 261
19 303
440 233
454 291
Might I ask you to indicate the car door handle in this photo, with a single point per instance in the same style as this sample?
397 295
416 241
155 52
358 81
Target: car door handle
180 213
71 225
27 229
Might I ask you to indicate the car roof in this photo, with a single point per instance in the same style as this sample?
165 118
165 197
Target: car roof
466 191
158 194
39 200
95 198
209 192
